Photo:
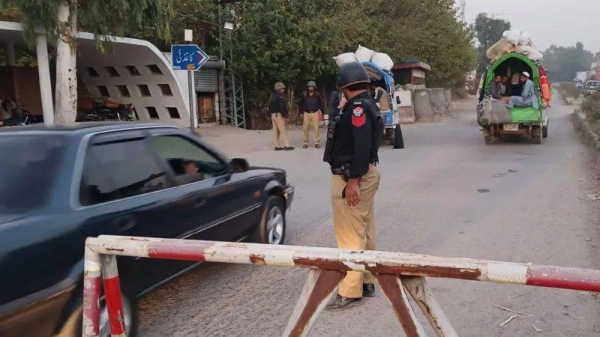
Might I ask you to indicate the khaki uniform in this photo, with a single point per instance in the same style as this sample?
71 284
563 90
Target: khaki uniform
311 120
355 226
279 130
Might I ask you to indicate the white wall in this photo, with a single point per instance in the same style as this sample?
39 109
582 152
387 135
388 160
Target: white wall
130 52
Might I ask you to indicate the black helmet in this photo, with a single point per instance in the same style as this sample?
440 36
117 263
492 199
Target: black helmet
352 73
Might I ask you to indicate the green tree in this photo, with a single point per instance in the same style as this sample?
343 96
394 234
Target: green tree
488 31
428 31
563 63
61 19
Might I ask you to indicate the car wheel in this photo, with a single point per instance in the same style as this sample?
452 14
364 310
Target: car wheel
130 318
271 229
72 327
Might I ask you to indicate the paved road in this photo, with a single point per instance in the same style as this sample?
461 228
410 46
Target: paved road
535 211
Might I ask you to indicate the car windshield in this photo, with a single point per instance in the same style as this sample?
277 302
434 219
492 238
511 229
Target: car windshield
30 164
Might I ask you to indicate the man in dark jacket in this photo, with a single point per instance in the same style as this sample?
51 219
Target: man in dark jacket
279 113
310 107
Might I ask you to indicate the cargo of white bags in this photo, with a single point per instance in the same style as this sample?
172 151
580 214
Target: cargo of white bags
512 36
364 54
345 58
531 53
524 39
384 61
499 48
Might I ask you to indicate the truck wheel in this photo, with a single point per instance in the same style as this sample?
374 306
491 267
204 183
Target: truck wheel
538 135
545 131
271 229
398 139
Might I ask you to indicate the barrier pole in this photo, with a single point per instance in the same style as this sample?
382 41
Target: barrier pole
112 290
91 293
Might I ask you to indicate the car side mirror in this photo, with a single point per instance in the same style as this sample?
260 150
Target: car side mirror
398 100
239 165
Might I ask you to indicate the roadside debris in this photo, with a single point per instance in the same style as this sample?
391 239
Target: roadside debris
508 320
515 312
536 328
593 197
483 190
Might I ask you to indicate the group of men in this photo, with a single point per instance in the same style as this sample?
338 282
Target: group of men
352 153
527 98
310 109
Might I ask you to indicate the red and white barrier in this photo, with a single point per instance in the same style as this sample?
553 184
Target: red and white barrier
397 274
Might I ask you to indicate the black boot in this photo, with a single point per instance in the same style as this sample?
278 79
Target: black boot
368 290
342 303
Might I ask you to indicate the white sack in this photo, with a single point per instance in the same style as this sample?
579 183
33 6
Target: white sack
364 54
512 36
531 53
384 61
524 39
345 58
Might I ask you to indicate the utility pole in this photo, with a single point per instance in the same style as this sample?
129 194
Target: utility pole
233 96
462 10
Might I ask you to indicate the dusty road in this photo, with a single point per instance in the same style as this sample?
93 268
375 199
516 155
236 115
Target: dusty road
535 211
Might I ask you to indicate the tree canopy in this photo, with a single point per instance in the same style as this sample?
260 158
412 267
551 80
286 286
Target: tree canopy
488 31
563 63
289 41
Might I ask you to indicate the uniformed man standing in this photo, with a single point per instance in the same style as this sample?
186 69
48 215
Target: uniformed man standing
310 107
279 112
351 150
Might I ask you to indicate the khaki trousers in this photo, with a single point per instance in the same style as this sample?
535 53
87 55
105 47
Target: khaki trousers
311 120
279 130
355 226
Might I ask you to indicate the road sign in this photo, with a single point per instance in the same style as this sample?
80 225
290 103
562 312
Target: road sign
187 57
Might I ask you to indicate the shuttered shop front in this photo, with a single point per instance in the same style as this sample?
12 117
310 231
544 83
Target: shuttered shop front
207 80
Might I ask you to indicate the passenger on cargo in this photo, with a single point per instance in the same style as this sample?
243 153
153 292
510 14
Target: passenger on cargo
528 97
496 89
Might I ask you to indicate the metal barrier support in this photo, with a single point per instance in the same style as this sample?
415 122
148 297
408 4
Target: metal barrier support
398 275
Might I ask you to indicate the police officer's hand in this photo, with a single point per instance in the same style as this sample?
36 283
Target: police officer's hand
352 192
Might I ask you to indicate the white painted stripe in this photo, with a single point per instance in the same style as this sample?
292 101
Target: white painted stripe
507 272
351 259
92 266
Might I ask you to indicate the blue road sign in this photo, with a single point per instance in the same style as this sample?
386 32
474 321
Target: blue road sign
187 57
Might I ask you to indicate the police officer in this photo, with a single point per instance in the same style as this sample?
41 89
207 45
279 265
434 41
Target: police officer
279 113
351 151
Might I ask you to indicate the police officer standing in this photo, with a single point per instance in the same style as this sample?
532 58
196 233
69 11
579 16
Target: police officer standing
279 113
351 150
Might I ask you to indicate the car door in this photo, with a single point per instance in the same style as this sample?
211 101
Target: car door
126 190
211 190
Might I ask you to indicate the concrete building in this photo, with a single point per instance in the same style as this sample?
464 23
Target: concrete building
130 71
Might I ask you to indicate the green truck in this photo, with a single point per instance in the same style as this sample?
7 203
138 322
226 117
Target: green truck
496 119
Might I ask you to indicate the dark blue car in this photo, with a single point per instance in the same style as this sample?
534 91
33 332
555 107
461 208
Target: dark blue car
59 185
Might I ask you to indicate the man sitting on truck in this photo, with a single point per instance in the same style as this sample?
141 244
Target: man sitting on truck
528 97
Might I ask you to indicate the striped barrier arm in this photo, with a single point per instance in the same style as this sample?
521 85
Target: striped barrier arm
398 274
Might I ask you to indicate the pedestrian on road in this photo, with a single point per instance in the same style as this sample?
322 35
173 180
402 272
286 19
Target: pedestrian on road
336 103
279 114
310 107
351 151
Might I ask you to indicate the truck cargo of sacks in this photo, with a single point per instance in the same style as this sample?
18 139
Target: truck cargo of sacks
531 53
345 58
500 48
384 61
517 37
364 54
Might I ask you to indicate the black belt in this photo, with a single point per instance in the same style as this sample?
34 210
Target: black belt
312 112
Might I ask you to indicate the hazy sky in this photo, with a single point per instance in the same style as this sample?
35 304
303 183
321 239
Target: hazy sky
560 22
